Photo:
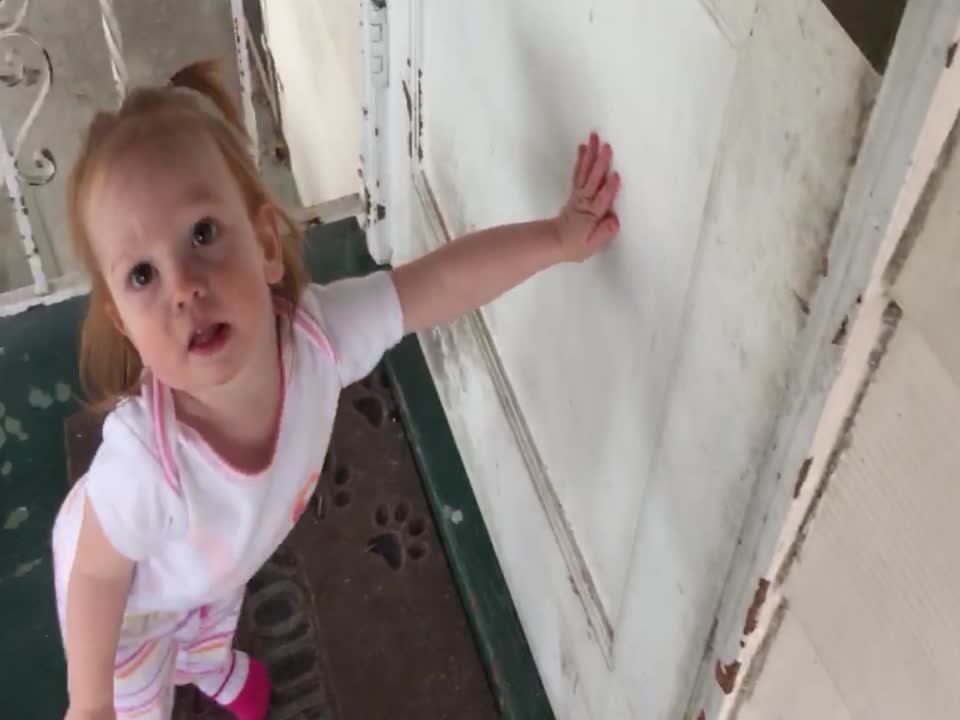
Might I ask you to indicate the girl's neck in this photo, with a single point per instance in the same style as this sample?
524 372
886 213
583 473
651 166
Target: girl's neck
240 420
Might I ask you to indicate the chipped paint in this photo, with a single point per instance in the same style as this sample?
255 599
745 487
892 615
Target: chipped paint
15 428
3 410
3 438
758 658
841 335
726 675
6 468
921 212
16 518
753 614
891 320
802 477
62 392
26 568
452 515
39 398
420 115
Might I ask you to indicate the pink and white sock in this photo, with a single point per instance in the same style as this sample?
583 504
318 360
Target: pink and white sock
245 691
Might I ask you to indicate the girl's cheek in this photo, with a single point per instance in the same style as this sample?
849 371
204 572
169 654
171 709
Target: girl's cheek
142 305
221 252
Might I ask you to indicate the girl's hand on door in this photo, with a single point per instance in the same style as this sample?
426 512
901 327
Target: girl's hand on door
474 269
587 221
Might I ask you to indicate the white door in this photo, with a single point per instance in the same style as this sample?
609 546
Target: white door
613 416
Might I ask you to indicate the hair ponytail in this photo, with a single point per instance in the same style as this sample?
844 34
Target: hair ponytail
206 78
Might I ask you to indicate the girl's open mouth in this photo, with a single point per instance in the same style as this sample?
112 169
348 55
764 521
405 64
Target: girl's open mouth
210 339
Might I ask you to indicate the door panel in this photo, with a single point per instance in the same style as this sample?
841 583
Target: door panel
613 417
508 91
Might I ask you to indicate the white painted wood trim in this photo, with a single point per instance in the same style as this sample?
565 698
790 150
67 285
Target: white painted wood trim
374 163
240 35
913 77
577 567
424 202
329 211
730 16
871 330
62 288
265 77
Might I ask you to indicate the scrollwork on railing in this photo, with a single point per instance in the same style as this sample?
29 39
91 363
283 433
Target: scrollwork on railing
41 167
18 167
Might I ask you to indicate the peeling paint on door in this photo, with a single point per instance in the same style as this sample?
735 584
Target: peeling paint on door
15 429
62 392
16 518
27 567
39 398
452 515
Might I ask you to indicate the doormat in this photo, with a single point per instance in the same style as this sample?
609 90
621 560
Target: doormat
356 615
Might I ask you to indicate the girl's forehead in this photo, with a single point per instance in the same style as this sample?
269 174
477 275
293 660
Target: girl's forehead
152 188
168 172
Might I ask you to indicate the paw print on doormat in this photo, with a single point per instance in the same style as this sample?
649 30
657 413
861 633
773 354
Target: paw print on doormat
376 405
337 491
401 535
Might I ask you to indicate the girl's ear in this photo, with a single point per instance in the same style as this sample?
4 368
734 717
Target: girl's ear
268 238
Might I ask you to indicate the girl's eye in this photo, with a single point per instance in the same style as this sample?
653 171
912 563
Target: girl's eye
204 231
141 275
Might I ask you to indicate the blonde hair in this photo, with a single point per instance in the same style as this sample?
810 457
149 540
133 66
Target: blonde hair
194 101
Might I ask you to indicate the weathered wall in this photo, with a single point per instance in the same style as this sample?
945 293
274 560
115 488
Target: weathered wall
316 48
869 590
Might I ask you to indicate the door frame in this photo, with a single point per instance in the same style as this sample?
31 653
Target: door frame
880 182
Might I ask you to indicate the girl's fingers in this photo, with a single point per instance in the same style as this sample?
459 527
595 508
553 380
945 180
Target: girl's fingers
590 158
598 171
605 229
606 195
580 169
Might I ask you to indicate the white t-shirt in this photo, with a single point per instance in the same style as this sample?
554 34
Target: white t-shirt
198 528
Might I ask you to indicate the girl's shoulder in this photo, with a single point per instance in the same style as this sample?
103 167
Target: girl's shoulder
128 430
359 317
129 454
126 483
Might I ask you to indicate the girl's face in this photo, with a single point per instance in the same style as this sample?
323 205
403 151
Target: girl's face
187 267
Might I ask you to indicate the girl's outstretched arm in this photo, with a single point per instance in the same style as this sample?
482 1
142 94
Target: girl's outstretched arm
478 267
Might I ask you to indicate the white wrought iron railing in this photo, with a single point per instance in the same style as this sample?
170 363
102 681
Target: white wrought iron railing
41 166
25 166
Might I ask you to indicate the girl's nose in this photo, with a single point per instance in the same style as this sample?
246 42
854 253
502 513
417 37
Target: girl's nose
189 286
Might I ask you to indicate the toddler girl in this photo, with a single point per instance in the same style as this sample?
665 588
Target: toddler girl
222 366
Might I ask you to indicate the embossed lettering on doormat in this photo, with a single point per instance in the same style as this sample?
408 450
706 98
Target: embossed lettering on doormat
356 615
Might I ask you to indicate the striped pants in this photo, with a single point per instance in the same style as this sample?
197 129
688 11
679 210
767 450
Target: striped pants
161 650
